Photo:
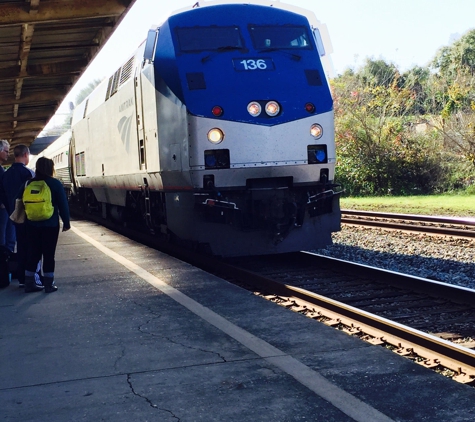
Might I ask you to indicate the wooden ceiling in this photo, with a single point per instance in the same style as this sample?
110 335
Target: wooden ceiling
45 45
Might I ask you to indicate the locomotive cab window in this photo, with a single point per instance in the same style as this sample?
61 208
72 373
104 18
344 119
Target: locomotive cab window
209 38
279 37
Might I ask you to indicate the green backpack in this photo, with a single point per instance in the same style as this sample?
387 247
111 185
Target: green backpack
37 200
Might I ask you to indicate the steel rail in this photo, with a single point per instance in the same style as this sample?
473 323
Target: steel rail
434 350
407 341
446 231
467 221
422 285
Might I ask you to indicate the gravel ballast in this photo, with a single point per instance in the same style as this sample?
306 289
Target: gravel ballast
447 259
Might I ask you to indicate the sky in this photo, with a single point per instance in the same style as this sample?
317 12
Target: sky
403 32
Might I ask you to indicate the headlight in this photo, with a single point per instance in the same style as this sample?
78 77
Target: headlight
272 108
316 131
215 135
254 108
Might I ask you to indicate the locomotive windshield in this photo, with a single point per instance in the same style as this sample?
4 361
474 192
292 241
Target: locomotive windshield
209 38
279 37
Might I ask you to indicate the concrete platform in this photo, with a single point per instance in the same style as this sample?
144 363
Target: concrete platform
135 335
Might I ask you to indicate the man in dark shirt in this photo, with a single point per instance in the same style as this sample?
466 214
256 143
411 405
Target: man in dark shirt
7 233
12 181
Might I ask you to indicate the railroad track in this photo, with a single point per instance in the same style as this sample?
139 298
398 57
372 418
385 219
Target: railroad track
446 226
412 316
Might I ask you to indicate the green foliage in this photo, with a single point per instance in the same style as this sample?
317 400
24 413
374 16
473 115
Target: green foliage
452 84
408 134
87 90
378 151
447 204
396 166
456 98
66 125
378 73
460 176
460 56
416 80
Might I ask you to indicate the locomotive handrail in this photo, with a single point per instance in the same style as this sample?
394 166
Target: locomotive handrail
314 198
215 202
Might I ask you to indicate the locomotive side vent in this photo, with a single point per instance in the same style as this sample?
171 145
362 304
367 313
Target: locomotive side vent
313 77
195 80
121 75
126 71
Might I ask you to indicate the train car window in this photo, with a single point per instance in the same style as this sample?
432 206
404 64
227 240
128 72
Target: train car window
319 42
279 37
150 44
80 164
209 38
85 108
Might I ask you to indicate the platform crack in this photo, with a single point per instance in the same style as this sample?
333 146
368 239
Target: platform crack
197 348
122 354
149 333
154 406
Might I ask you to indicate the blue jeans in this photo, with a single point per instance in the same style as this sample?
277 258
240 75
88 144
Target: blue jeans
7 230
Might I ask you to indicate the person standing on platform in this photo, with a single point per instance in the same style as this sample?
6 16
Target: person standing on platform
42 235
7 233
12 181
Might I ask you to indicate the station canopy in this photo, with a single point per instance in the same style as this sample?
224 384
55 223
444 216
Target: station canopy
45 46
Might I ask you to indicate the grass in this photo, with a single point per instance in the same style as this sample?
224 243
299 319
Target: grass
448 205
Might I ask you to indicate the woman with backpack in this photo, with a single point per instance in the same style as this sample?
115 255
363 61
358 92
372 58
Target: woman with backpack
45 201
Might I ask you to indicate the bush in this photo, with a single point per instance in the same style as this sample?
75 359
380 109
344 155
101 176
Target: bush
394 167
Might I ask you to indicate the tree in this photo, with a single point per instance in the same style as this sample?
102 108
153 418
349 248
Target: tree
459 57
378 150
378 73
408 133
458 133
418 80
455 65
66 125
86 91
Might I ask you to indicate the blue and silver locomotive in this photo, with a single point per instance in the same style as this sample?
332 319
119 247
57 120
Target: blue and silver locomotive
218 131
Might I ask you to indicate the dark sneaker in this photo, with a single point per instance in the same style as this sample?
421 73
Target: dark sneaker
51 289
